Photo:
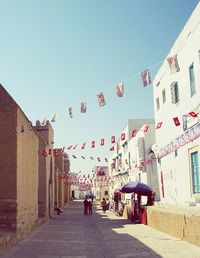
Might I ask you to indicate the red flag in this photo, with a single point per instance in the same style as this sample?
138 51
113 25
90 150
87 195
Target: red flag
112 148
65 155
99 159
69 147
55 152
176 121
193 114
159 125
83 146
44 153
93 144
74 156
146 127
134 132
112 139
123 136
102 142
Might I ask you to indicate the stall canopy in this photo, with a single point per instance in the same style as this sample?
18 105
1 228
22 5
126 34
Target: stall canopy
136 187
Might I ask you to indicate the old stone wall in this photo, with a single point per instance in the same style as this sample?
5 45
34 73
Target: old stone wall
27 175
183 223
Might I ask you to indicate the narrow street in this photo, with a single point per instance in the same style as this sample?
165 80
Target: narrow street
74 235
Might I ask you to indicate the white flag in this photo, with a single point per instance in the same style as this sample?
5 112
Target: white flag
101 99
83 107
120 89
173 64
70 112
44 122
54 118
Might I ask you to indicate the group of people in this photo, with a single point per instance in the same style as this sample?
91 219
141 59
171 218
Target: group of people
88 203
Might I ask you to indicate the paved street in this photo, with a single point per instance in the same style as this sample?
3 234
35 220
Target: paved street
74 235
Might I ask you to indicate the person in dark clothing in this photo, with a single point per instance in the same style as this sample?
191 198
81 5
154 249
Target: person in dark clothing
90 206
86 206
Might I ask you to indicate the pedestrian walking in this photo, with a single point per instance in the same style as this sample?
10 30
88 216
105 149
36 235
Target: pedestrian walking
103 205
90 206
86 206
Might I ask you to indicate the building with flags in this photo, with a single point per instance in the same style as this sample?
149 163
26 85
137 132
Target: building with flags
130 160
176 90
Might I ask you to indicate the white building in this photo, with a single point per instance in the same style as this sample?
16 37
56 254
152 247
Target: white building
176 95
131 160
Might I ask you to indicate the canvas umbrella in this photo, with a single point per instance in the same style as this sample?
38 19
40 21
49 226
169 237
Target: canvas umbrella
136 187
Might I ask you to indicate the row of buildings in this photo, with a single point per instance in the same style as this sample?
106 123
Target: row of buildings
164 152
30 186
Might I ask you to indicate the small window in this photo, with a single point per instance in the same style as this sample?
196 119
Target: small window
157 104
192 80
174 93
164 96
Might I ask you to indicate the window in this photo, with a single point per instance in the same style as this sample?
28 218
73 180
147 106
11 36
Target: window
163 96
195 172
174 93
192 80
157 104
106 192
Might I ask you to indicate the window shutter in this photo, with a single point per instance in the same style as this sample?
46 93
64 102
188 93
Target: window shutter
172 93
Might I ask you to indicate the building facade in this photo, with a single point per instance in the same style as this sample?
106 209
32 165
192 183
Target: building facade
19 168
176 90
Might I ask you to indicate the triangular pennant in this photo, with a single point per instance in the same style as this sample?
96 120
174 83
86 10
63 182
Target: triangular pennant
74 156
82 157
93 144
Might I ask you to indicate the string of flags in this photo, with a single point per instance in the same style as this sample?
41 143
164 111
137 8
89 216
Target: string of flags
120 88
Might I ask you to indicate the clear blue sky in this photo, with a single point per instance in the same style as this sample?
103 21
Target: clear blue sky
54 54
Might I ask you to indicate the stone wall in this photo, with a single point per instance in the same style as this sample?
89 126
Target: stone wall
183 223
27 175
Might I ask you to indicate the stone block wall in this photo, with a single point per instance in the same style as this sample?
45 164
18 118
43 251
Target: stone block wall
181 223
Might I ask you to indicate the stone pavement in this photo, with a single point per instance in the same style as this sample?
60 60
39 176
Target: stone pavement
101 235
